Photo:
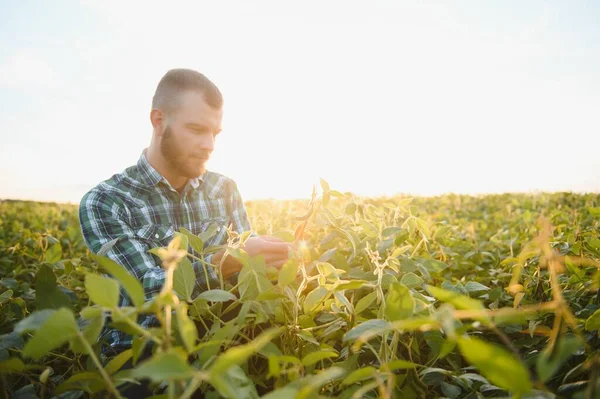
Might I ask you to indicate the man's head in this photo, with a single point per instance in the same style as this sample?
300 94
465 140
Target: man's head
187 109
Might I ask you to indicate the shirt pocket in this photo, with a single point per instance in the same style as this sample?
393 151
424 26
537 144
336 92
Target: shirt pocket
156 235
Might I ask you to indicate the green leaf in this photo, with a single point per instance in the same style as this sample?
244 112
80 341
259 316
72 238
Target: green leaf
365 302
101 290
399 303
184 279
96 320
285 392
56 330
118 361
5 296
549 361
434 266
86 381
451 391
360 375
594 211
411 280
16 365
169 366
366 327
209 232
187 329
457 300
593 322
194 241
131 285
474 286
288 273
53 254
496 364
47 294
253 280
369 229
398 364
34 321
314 357
308 337
314 298
351 285
217 295
316 381
240 354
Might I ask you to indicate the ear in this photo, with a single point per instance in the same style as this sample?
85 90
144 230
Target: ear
158 120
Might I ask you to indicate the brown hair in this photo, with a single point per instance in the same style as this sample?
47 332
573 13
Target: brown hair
177 81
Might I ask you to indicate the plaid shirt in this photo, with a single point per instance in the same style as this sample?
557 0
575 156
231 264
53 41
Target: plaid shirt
143 210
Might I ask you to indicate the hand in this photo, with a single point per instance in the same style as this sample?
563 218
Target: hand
274 249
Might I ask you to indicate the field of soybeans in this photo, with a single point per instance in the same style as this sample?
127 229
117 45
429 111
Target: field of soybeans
452 296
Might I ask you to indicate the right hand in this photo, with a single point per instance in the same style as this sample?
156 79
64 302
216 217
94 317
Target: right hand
274 249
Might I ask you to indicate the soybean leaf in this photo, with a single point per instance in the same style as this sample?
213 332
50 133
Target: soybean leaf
131 285
87 381
399 303
365 302
217 295
187 329
253 280
314 357
550 360
239 354
101 290
5 296
314 382
34 321
118 361
457 300
95 319
360 375
366 327
314 298
47 294
54 253
496 364
59 328
194 241
593 322
184 279
288 272
169 366
411 280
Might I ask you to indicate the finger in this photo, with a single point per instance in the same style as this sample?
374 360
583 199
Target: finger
277 264
274 257
272 238
276 247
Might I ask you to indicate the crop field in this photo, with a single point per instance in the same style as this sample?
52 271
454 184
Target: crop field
451 296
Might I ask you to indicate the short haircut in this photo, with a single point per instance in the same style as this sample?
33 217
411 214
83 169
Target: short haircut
176 82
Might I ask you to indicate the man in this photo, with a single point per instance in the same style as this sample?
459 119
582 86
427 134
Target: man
167 189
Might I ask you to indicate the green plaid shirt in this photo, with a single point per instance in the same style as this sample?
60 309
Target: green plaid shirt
142 210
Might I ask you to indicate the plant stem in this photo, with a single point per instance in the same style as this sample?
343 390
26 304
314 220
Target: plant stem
193 385
137 327
90 351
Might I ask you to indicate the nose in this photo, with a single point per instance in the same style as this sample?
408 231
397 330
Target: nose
206 142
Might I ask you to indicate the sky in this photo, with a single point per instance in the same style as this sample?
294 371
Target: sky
376 97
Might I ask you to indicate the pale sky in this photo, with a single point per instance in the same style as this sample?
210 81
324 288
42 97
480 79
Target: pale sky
376 97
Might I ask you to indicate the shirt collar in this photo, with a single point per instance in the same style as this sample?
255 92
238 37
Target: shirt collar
152 177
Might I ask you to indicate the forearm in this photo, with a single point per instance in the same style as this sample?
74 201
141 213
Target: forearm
230 265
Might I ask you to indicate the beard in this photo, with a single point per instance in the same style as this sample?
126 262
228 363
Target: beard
173 154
